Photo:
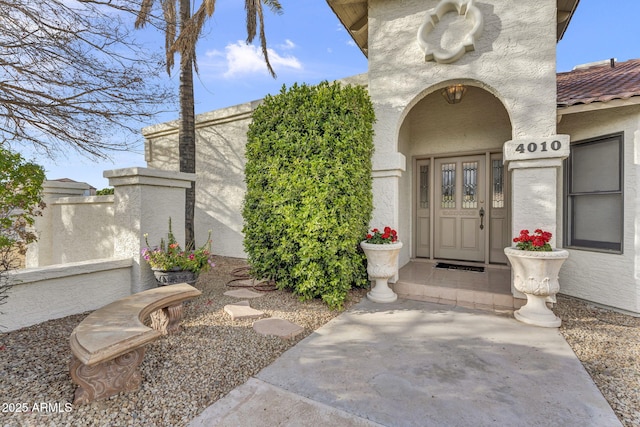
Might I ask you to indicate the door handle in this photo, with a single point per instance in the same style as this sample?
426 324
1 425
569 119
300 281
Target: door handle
481 218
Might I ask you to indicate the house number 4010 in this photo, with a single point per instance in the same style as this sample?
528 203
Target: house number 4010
532 147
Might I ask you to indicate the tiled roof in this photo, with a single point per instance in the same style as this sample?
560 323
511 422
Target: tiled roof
599 83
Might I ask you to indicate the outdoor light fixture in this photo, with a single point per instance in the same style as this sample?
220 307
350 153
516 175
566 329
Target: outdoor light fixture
453 94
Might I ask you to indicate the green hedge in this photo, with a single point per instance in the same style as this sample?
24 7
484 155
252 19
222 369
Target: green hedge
309 196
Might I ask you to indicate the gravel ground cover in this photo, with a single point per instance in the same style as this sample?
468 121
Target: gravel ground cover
608 345
182 374
185 373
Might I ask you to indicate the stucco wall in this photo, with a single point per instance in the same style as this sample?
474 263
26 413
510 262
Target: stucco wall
480 123
513 60
74 229
405 196
221 137
609 279
56 291
83 228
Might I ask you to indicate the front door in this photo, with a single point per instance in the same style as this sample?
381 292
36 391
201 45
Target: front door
459 208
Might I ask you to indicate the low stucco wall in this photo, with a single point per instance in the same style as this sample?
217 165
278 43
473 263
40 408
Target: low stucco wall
84 228
52 292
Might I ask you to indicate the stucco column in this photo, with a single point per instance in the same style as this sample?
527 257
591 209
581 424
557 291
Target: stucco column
40 254
535 164
144 200
387 171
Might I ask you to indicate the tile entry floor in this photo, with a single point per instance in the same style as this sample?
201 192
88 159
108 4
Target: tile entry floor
488 290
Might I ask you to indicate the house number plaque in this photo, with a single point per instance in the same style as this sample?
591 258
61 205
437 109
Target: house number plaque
537 148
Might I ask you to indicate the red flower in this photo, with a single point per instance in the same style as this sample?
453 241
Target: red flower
539 241
377 237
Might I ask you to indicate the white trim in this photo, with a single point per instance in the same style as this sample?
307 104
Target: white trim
597 106
56 271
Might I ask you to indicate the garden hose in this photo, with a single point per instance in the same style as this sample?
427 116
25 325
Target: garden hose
242 274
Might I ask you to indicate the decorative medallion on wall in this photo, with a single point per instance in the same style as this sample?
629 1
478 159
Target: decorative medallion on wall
445 39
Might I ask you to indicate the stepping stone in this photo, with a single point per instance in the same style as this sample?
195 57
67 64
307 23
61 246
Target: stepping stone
242 310
278 327
243 293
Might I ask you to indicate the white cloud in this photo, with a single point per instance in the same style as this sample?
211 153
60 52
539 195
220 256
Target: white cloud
214 53
242 59
287 45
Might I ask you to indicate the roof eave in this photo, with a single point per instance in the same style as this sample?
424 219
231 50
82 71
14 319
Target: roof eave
333 4
564 15
596 106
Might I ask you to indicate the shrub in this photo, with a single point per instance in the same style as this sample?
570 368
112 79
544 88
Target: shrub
105 191
20 202
309 196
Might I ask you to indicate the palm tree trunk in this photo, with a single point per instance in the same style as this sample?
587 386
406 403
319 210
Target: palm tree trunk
187 132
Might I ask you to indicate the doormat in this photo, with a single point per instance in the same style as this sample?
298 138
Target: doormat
459 267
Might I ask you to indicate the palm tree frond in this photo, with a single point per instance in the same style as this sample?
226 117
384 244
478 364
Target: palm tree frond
254 9
169 11
274 6
209 6
263 42
251 6
143 15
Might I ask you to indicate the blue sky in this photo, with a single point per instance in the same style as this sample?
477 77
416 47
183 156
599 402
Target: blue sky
308 44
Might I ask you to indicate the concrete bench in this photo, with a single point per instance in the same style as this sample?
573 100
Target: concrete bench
108 345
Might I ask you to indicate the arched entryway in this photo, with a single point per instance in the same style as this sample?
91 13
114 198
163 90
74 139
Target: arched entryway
455 191
454 199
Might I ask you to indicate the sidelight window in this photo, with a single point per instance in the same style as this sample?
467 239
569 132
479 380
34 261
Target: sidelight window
497 180
424 186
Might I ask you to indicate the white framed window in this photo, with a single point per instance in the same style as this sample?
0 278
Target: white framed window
594 206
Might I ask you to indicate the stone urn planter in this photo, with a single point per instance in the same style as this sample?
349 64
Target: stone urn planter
173 277
535 274
382 264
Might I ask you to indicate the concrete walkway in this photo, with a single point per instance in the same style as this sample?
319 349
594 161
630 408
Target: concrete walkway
413 363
